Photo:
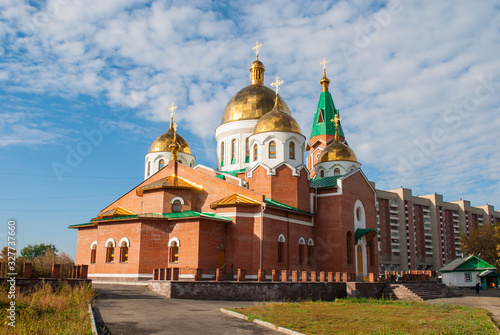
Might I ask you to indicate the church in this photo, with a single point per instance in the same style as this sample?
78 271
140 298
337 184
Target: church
261 208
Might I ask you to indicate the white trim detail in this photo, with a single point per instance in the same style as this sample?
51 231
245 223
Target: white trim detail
310 242
112 242
92 245
281 238
251 277
281 218
174 239
207 276
241 215
177 198
328 195
124 239
123 275
186 276
302 241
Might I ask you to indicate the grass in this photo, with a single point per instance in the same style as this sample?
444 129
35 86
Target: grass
48 311
371 316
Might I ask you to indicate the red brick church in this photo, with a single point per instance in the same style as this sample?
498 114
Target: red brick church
261 208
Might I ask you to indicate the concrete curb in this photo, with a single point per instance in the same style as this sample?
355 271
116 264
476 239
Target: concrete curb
92 321
261 323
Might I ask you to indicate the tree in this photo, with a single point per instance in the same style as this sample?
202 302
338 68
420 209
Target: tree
33 251
485 240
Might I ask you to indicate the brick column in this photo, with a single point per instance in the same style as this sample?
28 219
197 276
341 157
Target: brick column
338 277
219 275
27 270
275 275
241 275
84 271
330 276
175 273
314 276
261 275
295 276
371 277
322 276
56 270
344 277
284 275
304 276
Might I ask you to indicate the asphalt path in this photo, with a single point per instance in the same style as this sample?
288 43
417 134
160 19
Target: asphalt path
133 309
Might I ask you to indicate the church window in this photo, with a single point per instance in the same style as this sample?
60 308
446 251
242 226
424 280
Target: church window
176 206
124 244
161 164
291 150
272 149
302 244
321 118
93 252
247 151
233 151
110 251
255 153
173 251
310 249
350 244
281 248
336 172
149 168
222 154
322 173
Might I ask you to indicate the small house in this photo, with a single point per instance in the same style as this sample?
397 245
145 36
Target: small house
466 272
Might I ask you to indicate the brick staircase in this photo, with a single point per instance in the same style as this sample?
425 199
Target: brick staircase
417 291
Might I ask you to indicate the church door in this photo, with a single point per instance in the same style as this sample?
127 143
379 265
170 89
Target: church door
220 259
360 260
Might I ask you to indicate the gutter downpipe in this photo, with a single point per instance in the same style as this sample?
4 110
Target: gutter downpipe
261 233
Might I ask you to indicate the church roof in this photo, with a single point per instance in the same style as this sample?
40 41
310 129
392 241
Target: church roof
277 204
169 182
324 182
471 263
234 199
117 211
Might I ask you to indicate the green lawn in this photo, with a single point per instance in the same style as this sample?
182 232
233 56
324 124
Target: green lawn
45 311
365 316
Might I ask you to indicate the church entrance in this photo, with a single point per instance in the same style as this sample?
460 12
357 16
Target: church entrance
360 260
220 259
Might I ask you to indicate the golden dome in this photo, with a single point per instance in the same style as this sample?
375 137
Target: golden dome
250 103
277 120
337 151
164 142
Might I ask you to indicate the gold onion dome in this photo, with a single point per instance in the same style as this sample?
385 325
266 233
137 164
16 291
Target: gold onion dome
164 142
337 151
277 120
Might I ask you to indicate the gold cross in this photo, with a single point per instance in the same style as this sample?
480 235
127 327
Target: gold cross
277 83
256 48
324 62
172 109
175 127
336 119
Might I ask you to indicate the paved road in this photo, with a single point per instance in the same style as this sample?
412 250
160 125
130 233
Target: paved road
127 309
487 299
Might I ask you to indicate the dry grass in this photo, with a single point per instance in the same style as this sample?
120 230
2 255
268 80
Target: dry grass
365 316
48 311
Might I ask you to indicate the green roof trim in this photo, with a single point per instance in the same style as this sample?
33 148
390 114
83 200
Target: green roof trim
322 124
173 215
280 205
360 232
81 225
324 182
471 263
235 172
220 176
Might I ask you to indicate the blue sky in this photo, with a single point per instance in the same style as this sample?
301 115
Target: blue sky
85 87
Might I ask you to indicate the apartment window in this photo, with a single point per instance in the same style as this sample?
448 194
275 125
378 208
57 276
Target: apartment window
291 150
272 149
247 151
233 151
161 164
281 248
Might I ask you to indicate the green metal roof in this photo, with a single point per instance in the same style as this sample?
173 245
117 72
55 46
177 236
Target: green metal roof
280 205
235 172
471 263
322 124
220 176
324 182
81 225
360 232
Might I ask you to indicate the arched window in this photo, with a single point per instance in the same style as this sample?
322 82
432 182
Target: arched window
149 168
247 151
124 244
233 151
272 149
255 153
310 249
93 252
350 249
110 250
322 173
176 206
281 248
222 154
173 250
302 245
336 172
161 164
291 150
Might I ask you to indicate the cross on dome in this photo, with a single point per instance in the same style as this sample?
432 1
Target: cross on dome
175 127
172 109
256 48
336 119
277 83
324 62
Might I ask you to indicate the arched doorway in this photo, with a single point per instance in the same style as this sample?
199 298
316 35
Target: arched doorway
359 260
